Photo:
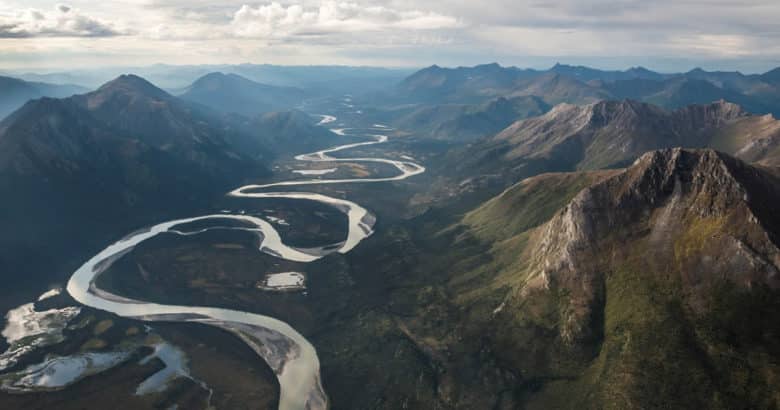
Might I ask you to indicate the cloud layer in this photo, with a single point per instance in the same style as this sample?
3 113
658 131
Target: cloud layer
60 21
276 20
401 32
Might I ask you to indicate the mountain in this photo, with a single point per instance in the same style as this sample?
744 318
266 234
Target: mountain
752 138
612 134
232 93
635 88
133 106
772 77
463 122
251 130
462 84
55 144
76 172
586 74
599 289
15 92
555 88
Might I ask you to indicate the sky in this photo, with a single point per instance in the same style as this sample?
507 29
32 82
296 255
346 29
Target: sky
666 35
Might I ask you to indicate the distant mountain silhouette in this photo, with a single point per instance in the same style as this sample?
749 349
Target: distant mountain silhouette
232 93
759 94
15 92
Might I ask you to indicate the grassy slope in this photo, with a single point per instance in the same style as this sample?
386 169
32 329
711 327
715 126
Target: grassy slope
528 204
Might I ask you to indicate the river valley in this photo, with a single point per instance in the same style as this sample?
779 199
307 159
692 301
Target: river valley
289 354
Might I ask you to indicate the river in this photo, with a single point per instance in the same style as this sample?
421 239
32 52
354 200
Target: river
287 352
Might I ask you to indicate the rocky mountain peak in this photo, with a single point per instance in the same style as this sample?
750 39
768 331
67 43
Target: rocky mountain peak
625 112
706 173
126 86
654 205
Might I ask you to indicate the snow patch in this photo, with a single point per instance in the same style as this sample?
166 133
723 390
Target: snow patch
27 329
284 281
50 294
59 372
315 171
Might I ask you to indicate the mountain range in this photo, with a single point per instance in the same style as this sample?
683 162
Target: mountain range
611 134
581 85
322 79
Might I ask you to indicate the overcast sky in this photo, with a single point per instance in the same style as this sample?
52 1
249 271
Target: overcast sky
661 34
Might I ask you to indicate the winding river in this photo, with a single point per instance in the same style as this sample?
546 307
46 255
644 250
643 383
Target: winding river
287 352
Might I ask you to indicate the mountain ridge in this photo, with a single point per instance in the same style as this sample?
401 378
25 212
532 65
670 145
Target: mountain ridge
614 133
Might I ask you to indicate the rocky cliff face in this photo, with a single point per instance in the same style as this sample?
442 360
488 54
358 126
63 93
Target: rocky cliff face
664 273
656 203
618 129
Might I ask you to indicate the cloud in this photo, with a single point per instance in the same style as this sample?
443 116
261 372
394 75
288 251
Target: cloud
61 21
276 21
404 32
